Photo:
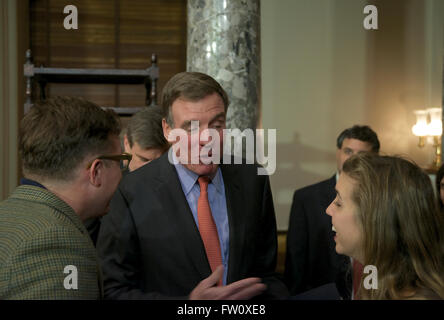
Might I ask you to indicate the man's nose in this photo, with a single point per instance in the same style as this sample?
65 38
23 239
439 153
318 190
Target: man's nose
204 137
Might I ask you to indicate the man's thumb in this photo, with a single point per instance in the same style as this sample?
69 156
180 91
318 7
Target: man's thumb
216 276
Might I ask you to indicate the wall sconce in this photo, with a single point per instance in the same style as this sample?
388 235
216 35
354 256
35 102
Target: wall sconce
433 129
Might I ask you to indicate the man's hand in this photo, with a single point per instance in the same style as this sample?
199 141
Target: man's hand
243 289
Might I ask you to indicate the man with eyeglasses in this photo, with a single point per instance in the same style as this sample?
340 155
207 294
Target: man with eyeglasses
70 151
144 141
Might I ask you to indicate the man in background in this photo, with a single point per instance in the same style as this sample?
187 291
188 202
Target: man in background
144 138
311 258
70 152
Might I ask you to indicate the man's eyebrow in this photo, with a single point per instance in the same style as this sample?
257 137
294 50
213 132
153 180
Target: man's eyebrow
218 117
186 124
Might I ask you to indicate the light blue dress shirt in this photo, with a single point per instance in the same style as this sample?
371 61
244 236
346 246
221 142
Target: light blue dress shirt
218 205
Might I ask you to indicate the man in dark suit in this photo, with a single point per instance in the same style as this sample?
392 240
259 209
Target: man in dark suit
183 229
311 259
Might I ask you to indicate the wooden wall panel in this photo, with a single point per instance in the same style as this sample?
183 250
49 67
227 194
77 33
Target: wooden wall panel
112 34
152 26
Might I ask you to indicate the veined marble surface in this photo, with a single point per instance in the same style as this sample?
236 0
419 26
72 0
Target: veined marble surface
223 41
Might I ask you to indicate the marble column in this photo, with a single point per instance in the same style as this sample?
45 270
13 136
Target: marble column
224 42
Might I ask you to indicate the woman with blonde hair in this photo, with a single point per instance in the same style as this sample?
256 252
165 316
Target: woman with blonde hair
385 215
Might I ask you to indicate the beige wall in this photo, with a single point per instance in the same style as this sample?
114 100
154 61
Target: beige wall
323 72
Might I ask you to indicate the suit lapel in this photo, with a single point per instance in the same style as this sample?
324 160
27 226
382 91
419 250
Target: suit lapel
236 218
170 194
100 279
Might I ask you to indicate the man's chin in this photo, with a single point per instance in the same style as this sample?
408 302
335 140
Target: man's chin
203 169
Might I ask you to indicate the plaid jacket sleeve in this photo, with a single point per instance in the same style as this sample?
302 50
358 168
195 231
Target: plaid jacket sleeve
36 269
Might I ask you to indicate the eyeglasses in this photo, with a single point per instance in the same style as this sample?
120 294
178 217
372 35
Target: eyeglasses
123 158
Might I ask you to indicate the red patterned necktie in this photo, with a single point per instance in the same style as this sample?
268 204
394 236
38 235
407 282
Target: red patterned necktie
357 275
207 227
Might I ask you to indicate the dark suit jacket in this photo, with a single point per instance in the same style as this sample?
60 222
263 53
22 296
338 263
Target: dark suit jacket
311 258
151 248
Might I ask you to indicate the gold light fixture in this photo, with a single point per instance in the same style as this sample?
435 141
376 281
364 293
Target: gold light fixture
429 128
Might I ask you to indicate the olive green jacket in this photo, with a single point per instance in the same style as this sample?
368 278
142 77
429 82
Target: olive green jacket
40 236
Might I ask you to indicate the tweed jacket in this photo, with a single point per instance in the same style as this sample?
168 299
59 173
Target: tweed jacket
41 238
